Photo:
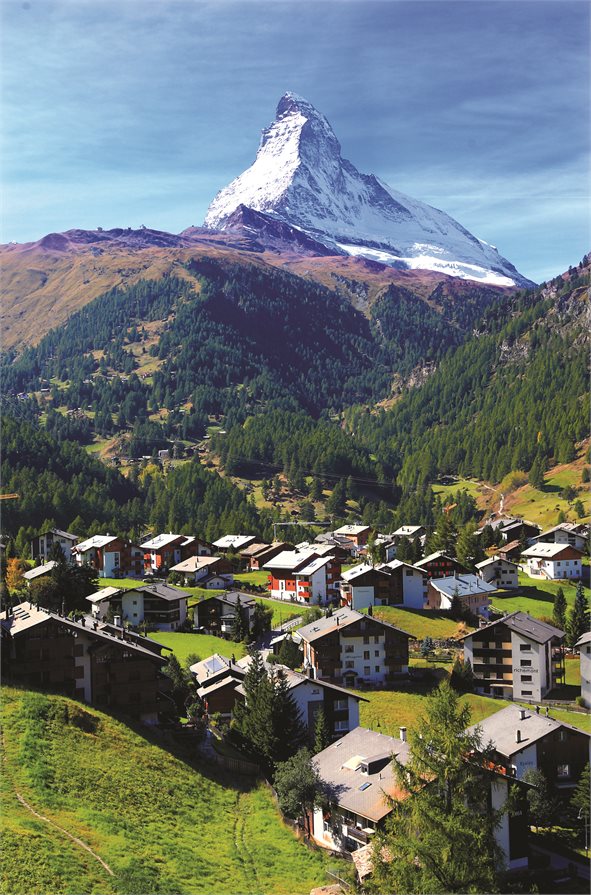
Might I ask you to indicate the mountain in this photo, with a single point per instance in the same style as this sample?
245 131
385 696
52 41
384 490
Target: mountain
299 178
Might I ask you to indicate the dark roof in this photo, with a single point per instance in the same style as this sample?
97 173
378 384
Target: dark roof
162 591
524 624
338 620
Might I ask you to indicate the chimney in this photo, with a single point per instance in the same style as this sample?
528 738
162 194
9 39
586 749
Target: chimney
517 736
522 714
403 734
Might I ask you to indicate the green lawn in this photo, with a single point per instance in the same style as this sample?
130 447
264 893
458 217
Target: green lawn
161 824
544 506
202 644
388 710
419 622
535 597
259 577
473 488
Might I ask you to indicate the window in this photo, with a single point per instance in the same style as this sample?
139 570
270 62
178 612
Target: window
563 770
409 573
349 664
526 663
526 692
376 653
562 736
526 677
376 639
367 669
341 726
366 654
525 647
377 668
365 640
349 648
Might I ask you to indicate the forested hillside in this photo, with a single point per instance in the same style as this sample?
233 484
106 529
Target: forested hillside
514 395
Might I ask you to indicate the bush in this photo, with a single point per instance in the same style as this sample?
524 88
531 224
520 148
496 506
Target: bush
513 480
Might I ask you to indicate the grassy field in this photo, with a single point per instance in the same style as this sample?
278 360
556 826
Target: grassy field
202 645
259 577
161 825
419 622
544 506
388 710
535 597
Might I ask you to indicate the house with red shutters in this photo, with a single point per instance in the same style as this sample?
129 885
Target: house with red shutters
302 576
166 550
111 556
438 565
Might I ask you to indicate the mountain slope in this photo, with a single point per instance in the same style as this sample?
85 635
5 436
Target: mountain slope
300 178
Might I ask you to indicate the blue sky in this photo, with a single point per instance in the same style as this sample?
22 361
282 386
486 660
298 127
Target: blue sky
129 113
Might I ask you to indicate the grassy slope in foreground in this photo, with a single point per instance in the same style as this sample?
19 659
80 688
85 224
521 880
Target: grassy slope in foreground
159 824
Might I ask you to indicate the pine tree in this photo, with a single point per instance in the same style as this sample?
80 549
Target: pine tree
578 620
239 626
469 550
252 719
431 837
559 611
298 785
322 737
444 537
289 732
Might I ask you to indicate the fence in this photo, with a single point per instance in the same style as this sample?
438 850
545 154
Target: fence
237 765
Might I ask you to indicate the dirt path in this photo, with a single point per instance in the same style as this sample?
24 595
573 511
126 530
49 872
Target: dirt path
65 832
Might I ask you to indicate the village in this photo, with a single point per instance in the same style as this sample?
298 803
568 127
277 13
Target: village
321 623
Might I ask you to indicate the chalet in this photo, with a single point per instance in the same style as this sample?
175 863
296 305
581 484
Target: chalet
518 657
391 584
216 615
567 534
110 556
552 561
358 772
525 740
166 550
473 593
155 605
519 530
583 644
256 555
205 571
39 572
218 679
439 565
408 584
101 666
42 544
233 543
410 532
348 649
510 551
500 572
304 577
358 534
388 544
340 546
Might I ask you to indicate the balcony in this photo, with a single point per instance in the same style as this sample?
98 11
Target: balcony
358 835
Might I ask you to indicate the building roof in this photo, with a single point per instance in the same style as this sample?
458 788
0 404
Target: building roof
399 564
163 540
314 565
364 793
25 616
94 542
407 531
233 598
289 559
463 585
195 563
215 666
351 530
162 591
495 559
62 534
525 625
105 593
547 551
234 542
512 545
439 554
356 571
568 527
40 570
517 522
501 728
253 549
339 619
585 638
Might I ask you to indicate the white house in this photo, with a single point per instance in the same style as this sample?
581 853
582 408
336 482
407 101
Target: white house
157 605
409 584
565 533
500 572
518 657
233 543
206 571
473 593
552 561
41 544
584 645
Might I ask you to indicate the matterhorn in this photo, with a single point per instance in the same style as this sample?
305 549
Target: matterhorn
299 178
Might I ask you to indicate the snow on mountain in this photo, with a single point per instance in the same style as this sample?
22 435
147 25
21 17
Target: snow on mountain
300 178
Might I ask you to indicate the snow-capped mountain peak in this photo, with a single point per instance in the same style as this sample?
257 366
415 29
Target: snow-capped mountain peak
300 178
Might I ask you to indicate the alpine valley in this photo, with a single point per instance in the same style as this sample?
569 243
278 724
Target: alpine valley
323 347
